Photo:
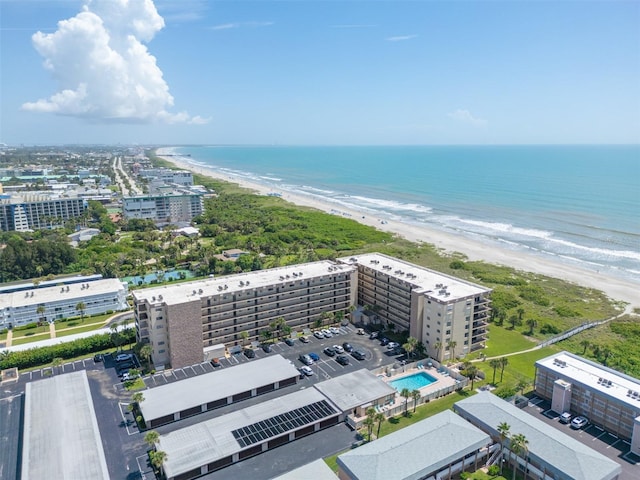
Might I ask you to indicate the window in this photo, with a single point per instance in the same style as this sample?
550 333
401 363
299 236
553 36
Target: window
161 350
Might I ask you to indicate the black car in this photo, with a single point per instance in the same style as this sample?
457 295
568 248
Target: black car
384 341
358 354
98 358
329 351
347 347
215 363
249 353
289 341
266 348
342 359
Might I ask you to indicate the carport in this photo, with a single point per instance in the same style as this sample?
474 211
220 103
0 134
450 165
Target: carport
174 401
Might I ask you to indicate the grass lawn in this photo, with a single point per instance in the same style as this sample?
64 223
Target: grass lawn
137 384
30 332
3 336
81 329
34 338
504 340
332 461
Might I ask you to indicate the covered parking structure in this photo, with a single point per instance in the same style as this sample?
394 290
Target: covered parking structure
177 400
551 454
61 436
214 444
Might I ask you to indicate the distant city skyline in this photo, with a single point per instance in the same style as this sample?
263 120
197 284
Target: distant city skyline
171 72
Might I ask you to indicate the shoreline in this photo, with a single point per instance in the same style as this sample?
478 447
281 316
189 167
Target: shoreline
615 288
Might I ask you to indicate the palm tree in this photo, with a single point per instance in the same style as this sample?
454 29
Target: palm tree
137 397
266 335
145 352
410 346
584 344
471 372
406 393
531 323
244 335
415 395
438 347
151 437
380 417
520 313
40 311
503 430
519 444
522 384
370 421
80 307
494 363
504 361
158 458
452 347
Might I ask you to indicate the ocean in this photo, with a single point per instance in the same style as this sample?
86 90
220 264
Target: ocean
577 204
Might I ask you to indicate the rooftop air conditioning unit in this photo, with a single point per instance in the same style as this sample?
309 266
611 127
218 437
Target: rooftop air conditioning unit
200 291
159 297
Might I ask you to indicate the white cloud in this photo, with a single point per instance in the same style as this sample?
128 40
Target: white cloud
228 26
465 116
401 38
104 71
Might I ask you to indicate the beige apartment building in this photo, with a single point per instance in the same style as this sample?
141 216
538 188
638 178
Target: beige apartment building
181 321
448 315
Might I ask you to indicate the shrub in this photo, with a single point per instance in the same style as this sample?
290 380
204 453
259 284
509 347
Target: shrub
549 328
493 470
457 265
565 312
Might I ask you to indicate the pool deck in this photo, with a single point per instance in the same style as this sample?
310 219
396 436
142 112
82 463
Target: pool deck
442 380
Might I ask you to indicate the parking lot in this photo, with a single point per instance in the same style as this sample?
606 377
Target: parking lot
593 436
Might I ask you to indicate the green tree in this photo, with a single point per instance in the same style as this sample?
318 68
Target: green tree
81 307
370 421
244 335
584 344
519 445
521 312
504 432
415 395
522 385
157 459
452 344
504 361
145 352
495 364
380 418
410 346
151 438
266 335
438 347
137 397
406 393
40 311
470 373
531 323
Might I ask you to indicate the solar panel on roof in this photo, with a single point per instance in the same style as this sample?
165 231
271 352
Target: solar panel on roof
279 424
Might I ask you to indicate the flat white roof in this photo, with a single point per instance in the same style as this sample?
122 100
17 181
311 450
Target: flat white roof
355 389
191 392
61 436
428 282
46 295
572 367
184 292
316 470
206 442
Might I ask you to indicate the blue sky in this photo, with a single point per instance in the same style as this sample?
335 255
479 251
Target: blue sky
319 72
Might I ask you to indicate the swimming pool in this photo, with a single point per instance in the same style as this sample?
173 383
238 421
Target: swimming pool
413 382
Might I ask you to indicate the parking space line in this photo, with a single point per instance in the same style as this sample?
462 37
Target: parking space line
617 441
142 472
327 364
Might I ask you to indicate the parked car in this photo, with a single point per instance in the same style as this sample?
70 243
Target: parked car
306 370
565 417
342 359
314 356
360 331
127 377
373 335
289 341
122 357
579 422
304 339
266 348
335 330
338 349
347 347
384 341
318 334
215 363
306 359
329 351
249 353
392 345
98 358
358 354
327 333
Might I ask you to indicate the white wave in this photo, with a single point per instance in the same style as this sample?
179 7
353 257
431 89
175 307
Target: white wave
606 252
272 179
309 188
507 228
392 204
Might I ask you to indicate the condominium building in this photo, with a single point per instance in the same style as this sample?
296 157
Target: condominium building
23 212
447 314
181 321
166 175
606 397
179 206
49 303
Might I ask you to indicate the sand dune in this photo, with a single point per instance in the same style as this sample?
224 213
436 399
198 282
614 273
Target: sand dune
616 288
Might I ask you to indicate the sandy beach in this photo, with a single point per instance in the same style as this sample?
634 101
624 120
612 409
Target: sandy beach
615 288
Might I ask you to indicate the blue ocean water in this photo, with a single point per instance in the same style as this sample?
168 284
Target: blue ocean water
580 204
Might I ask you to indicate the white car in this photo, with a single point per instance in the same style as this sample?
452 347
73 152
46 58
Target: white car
306 370
335 330
327 333
123 357
579 422
318 334
338 349
392 345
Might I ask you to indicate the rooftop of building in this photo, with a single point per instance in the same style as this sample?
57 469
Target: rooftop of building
212 440
316 470
60 293
61 435
597 377
561 454
354 389
201 389
415 451
434 284
189 291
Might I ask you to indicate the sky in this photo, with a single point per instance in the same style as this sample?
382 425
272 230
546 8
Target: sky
324 72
